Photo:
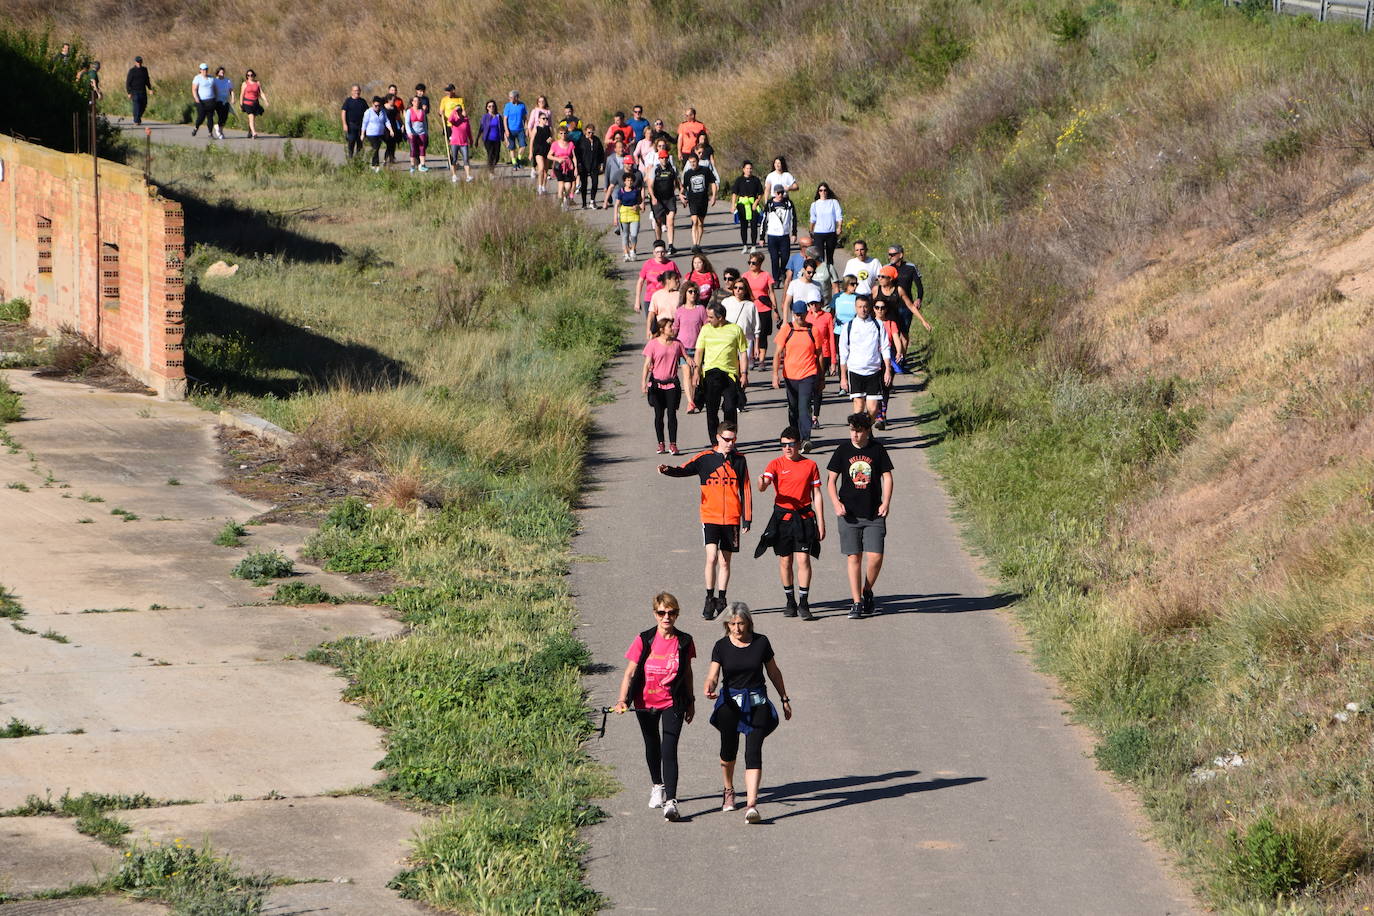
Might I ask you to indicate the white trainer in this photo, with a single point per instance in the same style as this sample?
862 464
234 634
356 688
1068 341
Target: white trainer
752 816
657 796
670 810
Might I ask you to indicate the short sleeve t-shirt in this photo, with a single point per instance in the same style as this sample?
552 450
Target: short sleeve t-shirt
823 326
804 290
663 357
795 263
826 214
794 482
660 670
866 271
742 666
204 86
689 322
761 286
800 349
861 471
353 111
720 347
651 273
663 304
515 114
845 309
696 183
773 179
638 125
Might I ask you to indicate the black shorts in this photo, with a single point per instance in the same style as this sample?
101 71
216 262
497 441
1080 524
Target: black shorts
794 535
869 386
662 209
252 108
726 537
696 206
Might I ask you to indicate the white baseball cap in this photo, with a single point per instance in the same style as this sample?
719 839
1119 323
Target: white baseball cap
205 66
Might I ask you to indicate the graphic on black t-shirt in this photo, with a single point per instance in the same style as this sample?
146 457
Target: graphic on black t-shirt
860 472
697 181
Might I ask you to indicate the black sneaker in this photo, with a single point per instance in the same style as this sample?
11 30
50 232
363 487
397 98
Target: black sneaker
617 230
708 610
856 610
870 607
791 609
804 609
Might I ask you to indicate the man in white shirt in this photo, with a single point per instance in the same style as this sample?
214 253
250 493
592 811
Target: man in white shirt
865 358
862 267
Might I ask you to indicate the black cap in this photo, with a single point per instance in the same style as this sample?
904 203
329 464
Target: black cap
450 87
138 60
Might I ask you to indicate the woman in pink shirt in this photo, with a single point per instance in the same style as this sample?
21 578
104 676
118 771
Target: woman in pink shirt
690 317
459 141
658 686
252 100
563 153
664 377
761 285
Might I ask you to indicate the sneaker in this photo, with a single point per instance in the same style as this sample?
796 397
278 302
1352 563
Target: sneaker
806 446
412 168
656 796
744 249
670 810
816 422
469 178
791 609
727 802
617 230
752 816
659 450
376 168
194 131
881 424
870 607
627 258
424 168
219 134
720 607
672 251
856 610
804 609
672 449
454 178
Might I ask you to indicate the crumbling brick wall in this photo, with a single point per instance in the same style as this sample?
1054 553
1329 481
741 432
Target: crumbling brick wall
123 289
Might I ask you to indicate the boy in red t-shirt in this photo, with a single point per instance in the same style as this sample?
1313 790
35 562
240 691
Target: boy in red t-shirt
797 526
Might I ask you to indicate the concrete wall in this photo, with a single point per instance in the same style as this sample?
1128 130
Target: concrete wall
124 291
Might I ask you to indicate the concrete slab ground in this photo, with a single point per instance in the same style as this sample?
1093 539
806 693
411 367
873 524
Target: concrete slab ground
203 698
84 906
39 853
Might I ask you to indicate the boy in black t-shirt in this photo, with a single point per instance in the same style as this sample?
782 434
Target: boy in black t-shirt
664 188
859 482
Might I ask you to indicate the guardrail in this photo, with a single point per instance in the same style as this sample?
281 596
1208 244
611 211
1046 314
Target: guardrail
1361 11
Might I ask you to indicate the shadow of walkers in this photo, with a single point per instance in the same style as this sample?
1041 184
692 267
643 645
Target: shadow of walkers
817 795
938 603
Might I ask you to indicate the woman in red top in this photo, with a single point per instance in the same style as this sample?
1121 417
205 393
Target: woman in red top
658 686
761 285
704 276
252 100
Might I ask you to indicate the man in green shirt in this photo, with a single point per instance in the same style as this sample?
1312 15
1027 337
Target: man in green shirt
724 355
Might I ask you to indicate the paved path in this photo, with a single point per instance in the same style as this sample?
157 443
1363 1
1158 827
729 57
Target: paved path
183 686
928 768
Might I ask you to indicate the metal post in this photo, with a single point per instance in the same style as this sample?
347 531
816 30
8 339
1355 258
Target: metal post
1321 16
148 148
99 246
1368 10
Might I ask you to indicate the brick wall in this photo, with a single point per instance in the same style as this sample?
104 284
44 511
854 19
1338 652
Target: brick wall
123 290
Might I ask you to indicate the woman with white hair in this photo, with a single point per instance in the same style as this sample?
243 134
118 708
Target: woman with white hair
735 680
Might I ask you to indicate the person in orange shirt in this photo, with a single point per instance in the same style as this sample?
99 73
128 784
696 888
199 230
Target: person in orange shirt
687 133
798 363
823 325
727 505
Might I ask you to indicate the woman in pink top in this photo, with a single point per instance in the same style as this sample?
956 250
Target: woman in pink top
563 152
252 100
459 141
417 129
704 276
690 317
658 686
664 377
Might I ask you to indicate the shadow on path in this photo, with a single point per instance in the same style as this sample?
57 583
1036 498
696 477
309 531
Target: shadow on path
817 795
937 603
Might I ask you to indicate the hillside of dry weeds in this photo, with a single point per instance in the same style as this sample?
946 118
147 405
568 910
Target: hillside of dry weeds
1146 230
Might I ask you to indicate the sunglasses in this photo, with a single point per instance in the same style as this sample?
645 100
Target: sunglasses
894 254
809 272
658 613
789 445
726 438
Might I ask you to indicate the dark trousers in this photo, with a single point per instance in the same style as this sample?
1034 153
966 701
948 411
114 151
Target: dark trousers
222 114
665 402
726 721
660 751
587 187
779 247
376 144
721 391
354 138
801 396
826 242
390 141
493 148
748 228
139 101
205 113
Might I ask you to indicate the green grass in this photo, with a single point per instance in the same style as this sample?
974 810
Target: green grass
14 310
261 566
10 407
17 728
190 880
9 605
297 593
475 395
54 636
17 485
124 514
230 535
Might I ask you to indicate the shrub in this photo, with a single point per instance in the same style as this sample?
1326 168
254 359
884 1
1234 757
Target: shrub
1265 859
263 565
14 310
10 410
1125 751
1068 26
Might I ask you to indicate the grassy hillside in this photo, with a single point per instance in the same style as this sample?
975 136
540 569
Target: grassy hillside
1143 225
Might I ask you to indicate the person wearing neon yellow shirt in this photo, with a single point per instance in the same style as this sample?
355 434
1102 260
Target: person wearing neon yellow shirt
723 353
746 196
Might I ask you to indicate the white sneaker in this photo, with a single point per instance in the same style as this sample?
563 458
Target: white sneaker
656 796
752 816
670 810
469 178
219 134
744 249
453 178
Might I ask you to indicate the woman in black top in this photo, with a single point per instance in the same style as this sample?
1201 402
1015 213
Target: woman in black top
739 660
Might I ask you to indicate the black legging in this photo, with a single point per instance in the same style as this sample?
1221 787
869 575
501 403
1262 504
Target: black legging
493 153
205 112
721 390
660 753
665 401
779 247
727 721
376 144
826 242
222 113
748 227
590 180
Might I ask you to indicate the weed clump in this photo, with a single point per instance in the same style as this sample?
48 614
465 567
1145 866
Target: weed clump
189 880
9 605
297 593
10 408
17 728
262 566
230 534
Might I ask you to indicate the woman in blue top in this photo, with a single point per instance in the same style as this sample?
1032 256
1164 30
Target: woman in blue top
826 220
739 661
376 126
491 130
629 201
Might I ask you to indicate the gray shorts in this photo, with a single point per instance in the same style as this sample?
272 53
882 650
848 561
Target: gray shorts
862 535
